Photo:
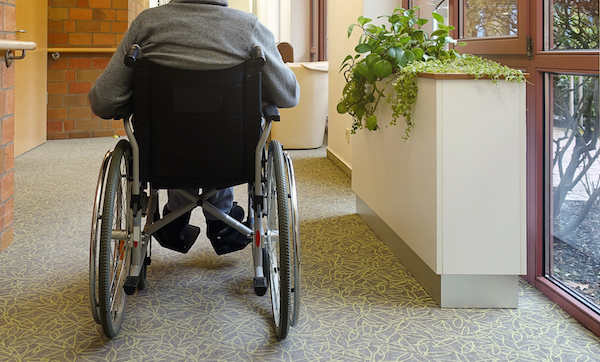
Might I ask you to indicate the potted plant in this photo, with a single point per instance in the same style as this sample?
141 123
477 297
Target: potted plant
395 55
449 200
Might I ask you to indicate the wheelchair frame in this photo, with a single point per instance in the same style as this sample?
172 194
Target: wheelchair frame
120 245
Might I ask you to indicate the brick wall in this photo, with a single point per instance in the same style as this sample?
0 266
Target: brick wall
7 128
82 24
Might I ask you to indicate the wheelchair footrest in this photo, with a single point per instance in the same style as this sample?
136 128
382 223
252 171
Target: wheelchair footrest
130 284
260 286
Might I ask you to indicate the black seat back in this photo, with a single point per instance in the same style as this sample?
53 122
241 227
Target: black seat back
196 128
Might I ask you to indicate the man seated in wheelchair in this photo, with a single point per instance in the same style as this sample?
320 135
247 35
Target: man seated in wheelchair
195 35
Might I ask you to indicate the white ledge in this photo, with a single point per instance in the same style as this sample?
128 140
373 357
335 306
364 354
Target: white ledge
17 45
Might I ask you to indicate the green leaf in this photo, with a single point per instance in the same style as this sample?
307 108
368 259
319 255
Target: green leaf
422 22
360 111
350 28
363 69
462 43
344 63
438 17
362 20
401 58
418 52
410 56
372 28
363 48
383 69
404 39
440 33
371 59
372 122
392 52
341 108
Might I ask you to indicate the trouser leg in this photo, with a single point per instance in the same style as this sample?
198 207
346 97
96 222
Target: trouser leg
222 200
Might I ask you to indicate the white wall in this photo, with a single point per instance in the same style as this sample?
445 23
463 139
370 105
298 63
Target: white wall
244 5
341 14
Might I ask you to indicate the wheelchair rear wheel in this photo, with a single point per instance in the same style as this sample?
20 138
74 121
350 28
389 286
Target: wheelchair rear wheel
115 249
95 236
277 241
295 240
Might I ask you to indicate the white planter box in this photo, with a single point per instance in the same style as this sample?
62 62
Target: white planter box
453 194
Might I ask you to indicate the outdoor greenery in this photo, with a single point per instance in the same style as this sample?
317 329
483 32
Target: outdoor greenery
394 54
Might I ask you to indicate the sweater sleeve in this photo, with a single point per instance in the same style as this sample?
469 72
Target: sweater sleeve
279 81
114 88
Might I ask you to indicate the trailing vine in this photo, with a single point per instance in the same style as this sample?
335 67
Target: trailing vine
395 55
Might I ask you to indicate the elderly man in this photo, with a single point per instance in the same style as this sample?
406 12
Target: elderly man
195 35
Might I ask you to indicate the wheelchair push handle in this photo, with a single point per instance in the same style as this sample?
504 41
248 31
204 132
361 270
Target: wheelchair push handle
132 55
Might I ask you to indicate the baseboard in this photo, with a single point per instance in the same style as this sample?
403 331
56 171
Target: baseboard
339 163
448 291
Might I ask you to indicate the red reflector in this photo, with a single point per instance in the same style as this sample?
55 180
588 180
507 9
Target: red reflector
135 244
257 238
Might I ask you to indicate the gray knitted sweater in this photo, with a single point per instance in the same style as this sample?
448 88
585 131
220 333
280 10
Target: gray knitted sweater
194 34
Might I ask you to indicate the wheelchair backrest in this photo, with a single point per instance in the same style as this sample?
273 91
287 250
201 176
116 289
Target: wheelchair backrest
197 128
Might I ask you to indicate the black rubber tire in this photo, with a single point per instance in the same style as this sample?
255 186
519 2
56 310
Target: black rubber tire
115 255
280 278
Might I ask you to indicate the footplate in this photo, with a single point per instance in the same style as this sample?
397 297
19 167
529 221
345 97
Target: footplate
260 286
130 285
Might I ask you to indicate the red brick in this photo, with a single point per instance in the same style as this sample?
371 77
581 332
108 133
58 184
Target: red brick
80 39
122 15
2 103
88 26
58 13
56 75
10 101
120 132
64 3
103 133
69 125
57 114
120 4
82 3
87 75
104 39
58 39
79 88
61 63
9 157
8 77
9 208
102 14
10 19
8 129
101 4
58 88
7 238
105 26
70 26
75 100
54 126
8 185
81 14
78 113
119 37
55 100
119 26
80 63
70 76
56 25
57 136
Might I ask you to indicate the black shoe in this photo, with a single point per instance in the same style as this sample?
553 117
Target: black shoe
178 235
224 238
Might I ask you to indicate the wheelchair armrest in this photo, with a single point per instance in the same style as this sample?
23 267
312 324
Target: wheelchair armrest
132 55
123 113
271 112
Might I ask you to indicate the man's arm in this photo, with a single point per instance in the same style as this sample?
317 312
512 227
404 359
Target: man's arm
114 88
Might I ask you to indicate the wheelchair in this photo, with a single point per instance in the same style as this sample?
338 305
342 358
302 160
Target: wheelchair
171 109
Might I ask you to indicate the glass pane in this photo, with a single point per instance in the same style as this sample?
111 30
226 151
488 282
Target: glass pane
573 242
573 24
489 18
432 6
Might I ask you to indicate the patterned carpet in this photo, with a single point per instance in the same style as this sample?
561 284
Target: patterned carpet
359 303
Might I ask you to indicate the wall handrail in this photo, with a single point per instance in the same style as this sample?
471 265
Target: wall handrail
14 45
55 52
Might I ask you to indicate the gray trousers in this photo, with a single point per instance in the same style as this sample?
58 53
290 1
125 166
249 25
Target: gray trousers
222 200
